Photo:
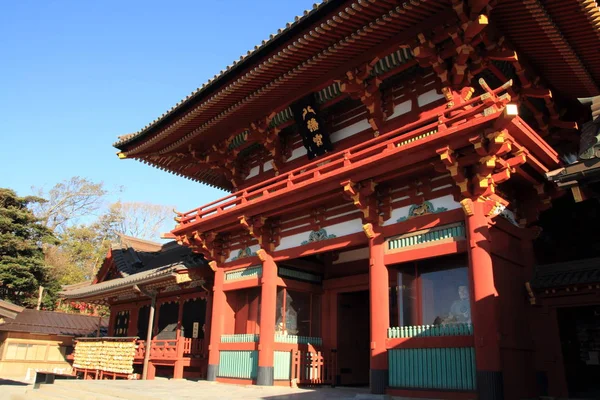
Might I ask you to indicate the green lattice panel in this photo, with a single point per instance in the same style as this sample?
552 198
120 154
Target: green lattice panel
240 338
241 364
439 368
454 231
244 273
316 341
430 330
283 365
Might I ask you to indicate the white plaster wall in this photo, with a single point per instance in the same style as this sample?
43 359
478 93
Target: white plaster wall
233 254
350 130
429 97
297 153
445 201
267 166
253 172
339 230
401 109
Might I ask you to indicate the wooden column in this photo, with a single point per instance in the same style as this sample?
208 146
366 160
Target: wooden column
148 370
379 313
485 307
133 321
267 320
178 368
111 321
216 323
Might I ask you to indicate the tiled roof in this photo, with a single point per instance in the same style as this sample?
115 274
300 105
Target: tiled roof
140 261
566 274
143 277
9 310
132 256
54 323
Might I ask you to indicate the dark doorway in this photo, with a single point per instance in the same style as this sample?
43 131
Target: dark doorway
167 321
354 338
194 313
580 340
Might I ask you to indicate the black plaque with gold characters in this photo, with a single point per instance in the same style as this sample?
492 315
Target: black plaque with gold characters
311 128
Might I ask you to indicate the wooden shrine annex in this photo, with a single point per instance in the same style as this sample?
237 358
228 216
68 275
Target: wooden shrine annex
387 163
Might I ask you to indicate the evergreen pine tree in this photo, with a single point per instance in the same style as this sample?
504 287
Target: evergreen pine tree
22 268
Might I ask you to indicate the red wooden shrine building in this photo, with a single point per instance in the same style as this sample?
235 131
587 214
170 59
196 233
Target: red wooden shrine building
388 162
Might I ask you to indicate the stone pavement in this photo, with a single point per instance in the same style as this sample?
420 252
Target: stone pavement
163 389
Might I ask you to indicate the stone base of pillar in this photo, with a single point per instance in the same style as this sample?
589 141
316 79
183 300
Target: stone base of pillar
266 376
379 379
212 371
490 385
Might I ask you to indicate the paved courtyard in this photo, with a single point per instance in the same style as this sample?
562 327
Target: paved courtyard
163 389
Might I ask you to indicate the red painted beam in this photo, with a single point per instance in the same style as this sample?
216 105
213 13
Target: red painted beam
433 250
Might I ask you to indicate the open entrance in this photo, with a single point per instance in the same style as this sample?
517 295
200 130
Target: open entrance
580 340
353 338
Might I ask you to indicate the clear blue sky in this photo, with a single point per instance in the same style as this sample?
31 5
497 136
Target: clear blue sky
76 74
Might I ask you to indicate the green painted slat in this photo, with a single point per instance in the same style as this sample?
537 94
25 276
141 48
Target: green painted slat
293 339
439 368
240 338
241 364
430 330
436 234
244 273
282 365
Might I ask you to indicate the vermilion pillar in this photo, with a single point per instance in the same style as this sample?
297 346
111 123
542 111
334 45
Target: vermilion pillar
216 325
379 313
267 320
485 312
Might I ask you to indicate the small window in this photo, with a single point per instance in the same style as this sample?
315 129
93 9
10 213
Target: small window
121 323
431 292
25 351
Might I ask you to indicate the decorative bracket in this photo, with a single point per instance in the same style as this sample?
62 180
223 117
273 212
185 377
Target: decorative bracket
359 84
214 246
374 205
269 136
266 232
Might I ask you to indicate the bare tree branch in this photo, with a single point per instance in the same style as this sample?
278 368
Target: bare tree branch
68 201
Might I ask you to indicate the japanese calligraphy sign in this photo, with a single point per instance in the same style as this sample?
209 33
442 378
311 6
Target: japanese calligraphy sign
310 126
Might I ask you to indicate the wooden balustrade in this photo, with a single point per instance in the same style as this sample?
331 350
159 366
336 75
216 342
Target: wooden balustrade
170 349
391 142
313 368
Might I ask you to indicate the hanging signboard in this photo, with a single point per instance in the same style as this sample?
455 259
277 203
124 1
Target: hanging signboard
195 329
311 128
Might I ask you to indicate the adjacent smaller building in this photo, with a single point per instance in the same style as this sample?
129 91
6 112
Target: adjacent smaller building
33 340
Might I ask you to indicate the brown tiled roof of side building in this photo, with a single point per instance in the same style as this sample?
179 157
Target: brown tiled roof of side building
133 255
54 323
9 310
